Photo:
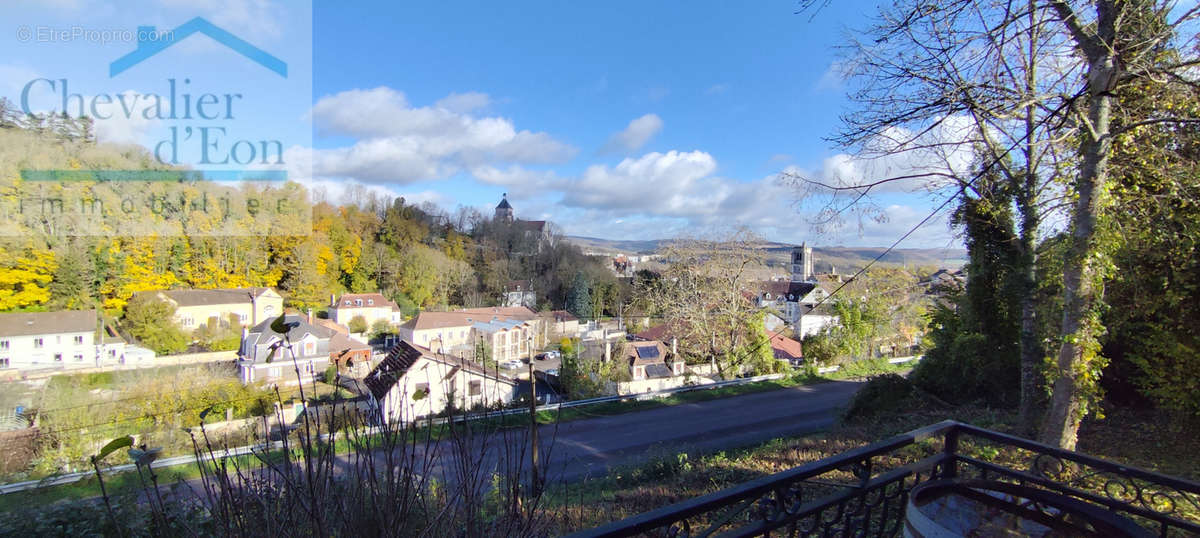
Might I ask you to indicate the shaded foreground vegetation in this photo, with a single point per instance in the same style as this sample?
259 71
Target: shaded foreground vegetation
412 481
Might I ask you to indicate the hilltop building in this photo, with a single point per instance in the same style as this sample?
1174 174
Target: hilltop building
538 229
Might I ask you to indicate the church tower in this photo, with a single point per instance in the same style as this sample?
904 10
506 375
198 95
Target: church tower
504 211
802 265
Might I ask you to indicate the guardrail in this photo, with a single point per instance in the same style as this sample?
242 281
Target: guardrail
274 445
865 491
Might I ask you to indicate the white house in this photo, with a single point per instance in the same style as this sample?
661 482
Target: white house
64 339
798 300
415 382
371 306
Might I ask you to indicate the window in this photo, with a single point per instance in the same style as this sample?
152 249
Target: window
188 321
58 357
4 362
3 344
268 309
79 357
420 391
242 317
358 302
112 353
310 348
475 388
370 302
78 340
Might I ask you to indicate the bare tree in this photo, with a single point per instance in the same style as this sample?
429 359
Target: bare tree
1024 89
700 296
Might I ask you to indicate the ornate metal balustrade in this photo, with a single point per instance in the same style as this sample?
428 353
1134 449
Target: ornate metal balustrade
864 492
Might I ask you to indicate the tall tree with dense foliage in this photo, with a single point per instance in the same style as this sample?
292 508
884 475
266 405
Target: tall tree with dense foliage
152 322
579 302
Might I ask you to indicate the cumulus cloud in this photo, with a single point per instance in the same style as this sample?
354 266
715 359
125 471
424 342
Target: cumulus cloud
400 143
635 135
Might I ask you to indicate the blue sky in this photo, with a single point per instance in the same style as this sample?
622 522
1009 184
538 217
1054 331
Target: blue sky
634 120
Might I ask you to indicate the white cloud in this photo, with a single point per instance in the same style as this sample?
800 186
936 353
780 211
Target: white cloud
399 143
463 103
635 135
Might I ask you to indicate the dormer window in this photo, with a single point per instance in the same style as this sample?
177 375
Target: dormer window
358 302
370 302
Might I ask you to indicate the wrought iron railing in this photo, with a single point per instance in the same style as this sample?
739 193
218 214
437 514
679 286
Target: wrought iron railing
864 492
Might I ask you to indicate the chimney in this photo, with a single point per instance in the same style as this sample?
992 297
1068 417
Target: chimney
674 346
310 316
332 300
607 350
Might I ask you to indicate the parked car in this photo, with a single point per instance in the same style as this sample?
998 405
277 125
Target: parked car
511 365
541 356
553 355
553 372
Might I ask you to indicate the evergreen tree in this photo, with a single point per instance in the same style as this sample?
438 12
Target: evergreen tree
579 301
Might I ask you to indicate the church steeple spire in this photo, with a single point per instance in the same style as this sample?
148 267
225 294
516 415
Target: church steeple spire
504 211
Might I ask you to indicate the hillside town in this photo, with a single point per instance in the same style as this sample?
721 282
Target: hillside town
402 269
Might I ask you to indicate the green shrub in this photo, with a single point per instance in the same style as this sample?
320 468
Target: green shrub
882 394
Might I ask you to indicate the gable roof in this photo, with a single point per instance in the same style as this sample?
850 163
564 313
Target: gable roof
786 348
34 323
514 312
643 353
369 300
468 317
791 291
192 297
562 316
341 343
532 225
404 355
330 324
298 326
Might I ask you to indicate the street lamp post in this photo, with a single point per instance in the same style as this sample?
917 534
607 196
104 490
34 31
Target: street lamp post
533 425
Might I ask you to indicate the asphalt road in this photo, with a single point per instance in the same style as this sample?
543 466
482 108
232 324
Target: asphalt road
590 447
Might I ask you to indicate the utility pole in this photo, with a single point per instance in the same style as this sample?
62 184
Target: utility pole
533 425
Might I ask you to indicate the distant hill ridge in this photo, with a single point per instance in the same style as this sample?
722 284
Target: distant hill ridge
844 259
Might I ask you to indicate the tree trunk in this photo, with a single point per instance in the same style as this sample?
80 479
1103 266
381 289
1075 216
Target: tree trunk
1080 290
1031 352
